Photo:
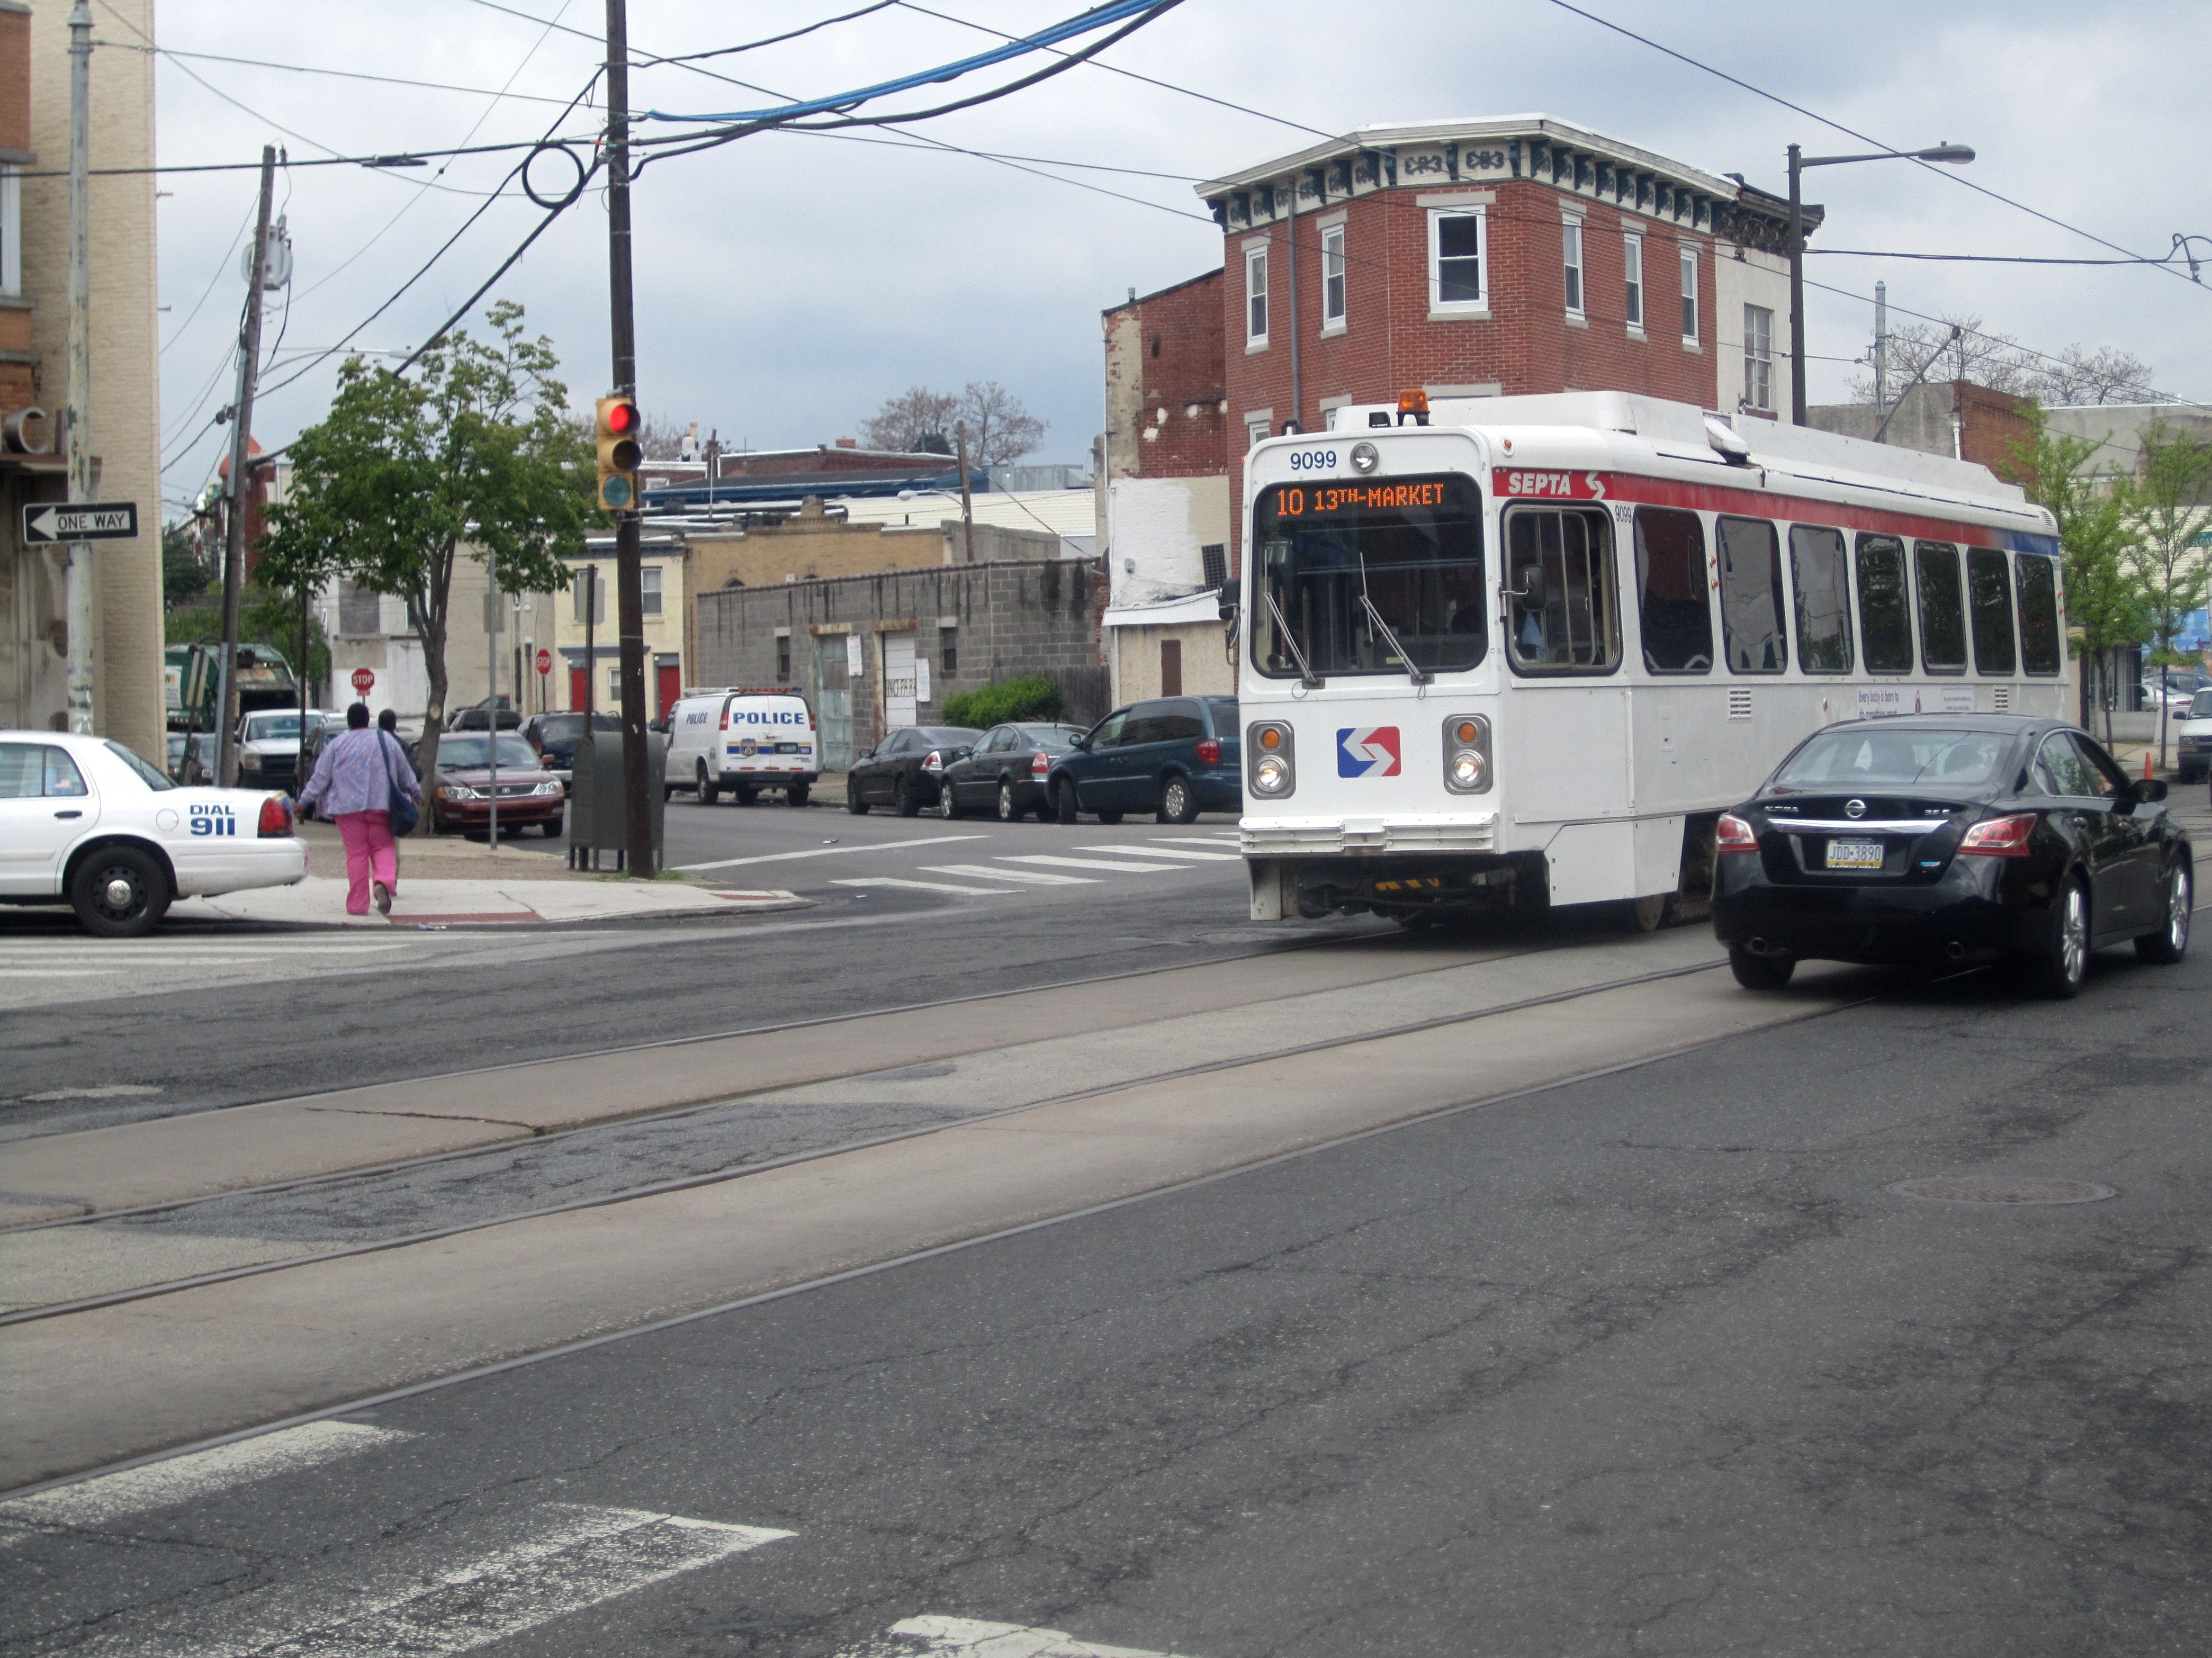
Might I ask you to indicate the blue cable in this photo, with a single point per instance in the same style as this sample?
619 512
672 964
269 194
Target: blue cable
1112 12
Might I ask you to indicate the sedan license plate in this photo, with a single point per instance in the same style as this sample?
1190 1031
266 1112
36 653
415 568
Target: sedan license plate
1854 854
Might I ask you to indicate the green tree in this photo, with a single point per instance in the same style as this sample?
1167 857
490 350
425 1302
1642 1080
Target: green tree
474 448
2104 608
2170 500
184 577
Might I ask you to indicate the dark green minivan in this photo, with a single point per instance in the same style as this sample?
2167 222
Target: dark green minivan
1174 757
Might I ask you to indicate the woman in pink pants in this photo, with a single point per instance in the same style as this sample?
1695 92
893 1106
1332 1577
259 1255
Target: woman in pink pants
353 783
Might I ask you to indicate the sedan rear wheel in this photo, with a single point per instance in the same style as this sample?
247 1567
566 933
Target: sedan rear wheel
1760 971
903 799
119 892
2170 942
2061 971
1009 812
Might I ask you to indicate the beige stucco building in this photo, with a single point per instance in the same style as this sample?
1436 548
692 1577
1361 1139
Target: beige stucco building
125 388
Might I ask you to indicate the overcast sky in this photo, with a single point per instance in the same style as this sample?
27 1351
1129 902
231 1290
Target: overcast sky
788 284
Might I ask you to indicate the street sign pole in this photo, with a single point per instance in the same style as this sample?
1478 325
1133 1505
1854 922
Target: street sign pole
77 417
629 579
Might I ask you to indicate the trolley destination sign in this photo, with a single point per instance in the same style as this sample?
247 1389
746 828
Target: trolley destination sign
83 520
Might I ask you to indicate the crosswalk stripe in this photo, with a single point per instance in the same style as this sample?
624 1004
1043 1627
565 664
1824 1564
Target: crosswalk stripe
1125 868
1174 852
588 1557
833 851
1197 840
920 886
202 1474
1036 876
971 1637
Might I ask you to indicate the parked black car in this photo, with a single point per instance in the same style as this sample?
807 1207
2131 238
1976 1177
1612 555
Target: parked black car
1960 838
554 737
1007 772
1176 757
897 771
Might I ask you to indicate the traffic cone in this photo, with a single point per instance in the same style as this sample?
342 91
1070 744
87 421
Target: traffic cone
2146 765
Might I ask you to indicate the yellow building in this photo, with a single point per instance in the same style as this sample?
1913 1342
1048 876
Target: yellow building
125 396
579 681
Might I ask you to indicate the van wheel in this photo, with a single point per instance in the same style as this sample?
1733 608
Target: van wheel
795 795
709 791
1759 972
119 892
1064 801
1178 801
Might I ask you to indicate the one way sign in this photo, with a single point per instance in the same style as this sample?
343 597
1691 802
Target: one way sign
84 521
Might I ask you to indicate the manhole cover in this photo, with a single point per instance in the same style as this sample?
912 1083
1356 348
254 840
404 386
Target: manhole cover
2001 1188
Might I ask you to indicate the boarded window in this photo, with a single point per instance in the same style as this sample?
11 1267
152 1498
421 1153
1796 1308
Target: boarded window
1752 628
1820 576
1989 585
1574 628
2038 614
1171 667
1942 607
1673 592
1885 613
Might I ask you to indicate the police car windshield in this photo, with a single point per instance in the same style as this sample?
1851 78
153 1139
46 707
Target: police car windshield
1860 759
457 751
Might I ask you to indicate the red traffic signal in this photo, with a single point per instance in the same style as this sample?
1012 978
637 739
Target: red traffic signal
619 423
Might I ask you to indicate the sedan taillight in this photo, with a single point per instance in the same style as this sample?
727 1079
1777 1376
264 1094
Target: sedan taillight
2000 837
1040 763
275 815
1209 750
935 762
1732 834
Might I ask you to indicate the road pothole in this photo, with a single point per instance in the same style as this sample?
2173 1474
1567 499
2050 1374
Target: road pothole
2001 1188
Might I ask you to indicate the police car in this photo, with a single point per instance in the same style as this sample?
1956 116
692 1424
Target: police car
743 742
86 823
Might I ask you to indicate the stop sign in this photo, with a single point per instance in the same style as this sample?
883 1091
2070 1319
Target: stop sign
544 660
362 680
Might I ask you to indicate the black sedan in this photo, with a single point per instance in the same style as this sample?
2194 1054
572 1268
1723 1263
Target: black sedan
555 737
903 771
1007 772
1950 838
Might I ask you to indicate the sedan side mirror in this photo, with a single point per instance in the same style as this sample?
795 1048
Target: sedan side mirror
2151 790
1081 742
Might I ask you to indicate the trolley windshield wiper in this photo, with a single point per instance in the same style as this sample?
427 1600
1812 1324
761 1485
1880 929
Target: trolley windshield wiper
1306 675
1421 676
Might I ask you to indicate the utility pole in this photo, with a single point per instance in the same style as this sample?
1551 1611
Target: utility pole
967 505
1796 287
1880 346
629 577
78 415
241 435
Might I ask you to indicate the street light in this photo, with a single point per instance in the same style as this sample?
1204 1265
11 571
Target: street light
1958 155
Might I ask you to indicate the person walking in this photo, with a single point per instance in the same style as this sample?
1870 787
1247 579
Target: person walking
354 783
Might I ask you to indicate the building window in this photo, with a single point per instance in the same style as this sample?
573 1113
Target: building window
1631 259
948 651
1459 247
1331 276
1690 295
1572 236
783 659
1256 432
11 233
1255 296
651 577
614 688
1757 358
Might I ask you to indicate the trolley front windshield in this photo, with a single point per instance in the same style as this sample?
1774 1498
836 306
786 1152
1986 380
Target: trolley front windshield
1366 576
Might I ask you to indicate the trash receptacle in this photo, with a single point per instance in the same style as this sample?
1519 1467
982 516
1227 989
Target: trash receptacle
597 814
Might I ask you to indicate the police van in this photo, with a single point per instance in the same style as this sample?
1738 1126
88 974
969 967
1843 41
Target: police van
742 741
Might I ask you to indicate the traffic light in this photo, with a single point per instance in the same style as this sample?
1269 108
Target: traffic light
619 454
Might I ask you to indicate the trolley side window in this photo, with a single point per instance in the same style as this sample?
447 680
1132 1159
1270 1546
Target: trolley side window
1564 620
2038 614
1885 608
1751 627
1353 578
1942 607
1989 585
1673 596
1819 574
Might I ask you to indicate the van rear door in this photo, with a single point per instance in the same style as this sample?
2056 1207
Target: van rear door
769 735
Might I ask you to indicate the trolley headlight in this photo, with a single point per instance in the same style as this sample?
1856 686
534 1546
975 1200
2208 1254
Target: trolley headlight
1467 754
1270 751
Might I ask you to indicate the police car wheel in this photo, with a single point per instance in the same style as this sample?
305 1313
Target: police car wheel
119 892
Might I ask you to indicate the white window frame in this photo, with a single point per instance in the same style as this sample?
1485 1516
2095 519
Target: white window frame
1631 266
1692 322
1334 318
1437 305
1257 430
1255 296
1759 358
11 230
649 597
1574 273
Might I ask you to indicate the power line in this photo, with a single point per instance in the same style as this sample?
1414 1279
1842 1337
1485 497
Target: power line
1975 258
1850 132
340 74
222 265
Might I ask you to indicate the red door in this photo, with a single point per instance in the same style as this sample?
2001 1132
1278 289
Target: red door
580 687
671 678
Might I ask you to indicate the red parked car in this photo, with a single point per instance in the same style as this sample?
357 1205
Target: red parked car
528 793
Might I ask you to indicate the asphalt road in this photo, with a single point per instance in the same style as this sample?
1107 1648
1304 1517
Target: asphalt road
1652 1364
903 914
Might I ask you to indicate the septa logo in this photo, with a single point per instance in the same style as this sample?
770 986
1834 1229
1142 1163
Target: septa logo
1367 751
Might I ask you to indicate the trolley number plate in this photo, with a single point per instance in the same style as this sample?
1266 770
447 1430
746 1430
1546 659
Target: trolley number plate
1854 854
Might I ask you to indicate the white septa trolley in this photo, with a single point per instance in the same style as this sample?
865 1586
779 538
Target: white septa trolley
1525 651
